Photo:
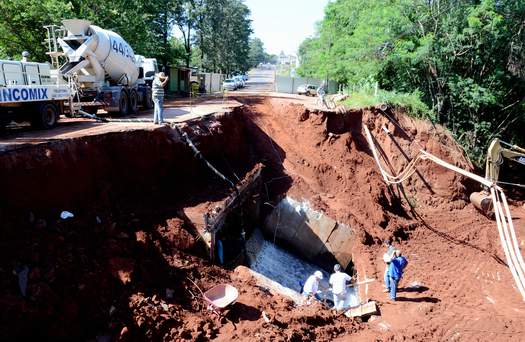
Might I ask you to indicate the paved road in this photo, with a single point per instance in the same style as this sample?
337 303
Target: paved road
259 80
179 110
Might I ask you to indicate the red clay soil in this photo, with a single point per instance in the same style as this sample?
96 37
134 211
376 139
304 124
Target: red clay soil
136 272
464 289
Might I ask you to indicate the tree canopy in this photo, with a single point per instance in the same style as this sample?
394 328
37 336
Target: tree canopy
258 53
466 58
217 30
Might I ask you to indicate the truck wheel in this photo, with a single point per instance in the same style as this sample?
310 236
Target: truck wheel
148 100
133 101
46 117
123 104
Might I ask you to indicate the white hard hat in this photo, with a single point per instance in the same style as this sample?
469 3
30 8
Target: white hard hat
318 274
387 257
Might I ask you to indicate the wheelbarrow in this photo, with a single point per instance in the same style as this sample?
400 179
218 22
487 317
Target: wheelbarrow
220 296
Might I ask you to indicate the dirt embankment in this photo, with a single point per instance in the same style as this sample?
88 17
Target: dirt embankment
127 266
456 286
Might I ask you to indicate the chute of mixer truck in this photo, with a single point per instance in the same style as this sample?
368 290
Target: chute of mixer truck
102 68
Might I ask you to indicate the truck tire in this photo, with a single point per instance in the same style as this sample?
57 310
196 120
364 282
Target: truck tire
46 117
123 104
133 101
148 100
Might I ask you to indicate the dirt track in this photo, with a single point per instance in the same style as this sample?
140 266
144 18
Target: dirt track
143 243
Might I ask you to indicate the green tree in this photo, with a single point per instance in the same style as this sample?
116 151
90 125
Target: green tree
257 53
223 35
22 25
466 59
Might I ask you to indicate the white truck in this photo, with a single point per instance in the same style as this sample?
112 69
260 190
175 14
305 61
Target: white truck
103 69
100 71
29 93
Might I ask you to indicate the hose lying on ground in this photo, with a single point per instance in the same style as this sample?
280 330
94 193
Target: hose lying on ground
86 115
506 230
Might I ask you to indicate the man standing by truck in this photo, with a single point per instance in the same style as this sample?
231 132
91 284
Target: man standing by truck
158 97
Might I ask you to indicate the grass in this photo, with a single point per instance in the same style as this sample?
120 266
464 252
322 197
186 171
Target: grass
368 96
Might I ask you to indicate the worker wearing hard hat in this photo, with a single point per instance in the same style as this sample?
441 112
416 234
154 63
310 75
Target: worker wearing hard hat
339 281
311 286
158 97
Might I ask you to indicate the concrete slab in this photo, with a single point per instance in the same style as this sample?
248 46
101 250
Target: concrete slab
176 110
366 309
312 233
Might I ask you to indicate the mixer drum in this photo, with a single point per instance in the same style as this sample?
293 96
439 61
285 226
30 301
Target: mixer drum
113 53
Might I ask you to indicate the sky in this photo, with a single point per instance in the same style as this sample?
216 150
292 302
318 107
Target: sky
282 25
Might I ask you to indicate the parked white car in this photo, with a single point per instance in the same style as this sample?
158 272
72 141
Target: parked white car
307 89
240 81
229 84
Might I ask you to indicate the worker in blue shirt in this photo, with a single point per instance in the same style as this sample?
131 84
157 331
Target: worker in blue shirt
395 272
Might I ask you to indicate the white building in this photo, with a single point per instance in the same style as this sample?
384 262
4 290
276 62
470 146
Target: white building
288 59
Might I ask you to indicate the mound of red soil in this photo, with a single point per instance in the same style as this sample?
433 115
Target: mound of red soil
331 165
129 265
456 286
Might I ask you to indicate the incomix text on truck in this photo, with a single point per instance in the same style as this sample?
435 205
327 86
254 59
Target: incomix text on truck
91 68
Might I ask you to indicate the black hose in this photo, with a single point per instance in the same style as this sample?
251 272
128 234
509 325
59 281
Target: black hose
199 156
84 114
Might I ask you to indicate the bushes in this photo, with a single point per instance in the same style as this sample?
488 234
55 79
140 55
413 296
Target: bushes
367 94
458 63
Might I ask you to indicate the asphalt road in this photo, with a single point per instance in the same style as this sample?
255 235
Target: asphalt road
259 80
177 110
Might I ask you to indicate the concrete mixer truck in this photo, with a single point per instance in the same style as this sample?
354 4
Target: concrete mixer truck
102 68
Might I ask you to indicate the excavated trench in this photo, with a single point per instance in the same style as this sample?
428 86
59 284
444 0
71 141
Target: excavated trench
151 218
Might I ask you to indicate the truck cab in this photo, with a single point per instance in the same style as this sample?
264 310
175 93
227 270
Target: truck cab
149 68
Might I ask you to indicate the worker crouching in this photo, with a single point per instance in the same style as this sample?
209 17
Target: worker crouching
311 287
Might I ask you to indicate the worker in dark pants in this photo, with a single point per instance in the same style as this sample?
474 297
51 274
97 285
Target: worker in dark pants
158 97
395 272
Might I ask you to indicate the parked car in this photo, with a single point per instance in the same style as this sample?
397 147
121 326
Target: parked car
239 80
229 84
307 89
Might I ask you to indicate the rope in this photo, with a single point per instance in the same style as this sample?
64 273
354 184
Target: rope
199 155
513 184
506 231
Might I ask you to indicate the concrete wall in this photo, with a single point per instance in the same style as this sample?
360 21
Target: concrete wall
310 233
286 84
213 82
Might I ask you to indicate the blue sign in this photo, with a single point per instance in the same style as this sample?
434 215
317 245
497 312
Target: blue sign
23 94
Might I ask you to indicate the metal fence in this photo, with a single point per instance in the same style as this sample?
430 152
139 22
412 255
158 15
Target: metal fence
286 84
213 82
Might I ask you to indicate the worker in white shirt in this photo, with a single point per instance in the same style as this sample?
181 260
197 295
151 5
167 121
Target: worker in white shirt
339 281
311 286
